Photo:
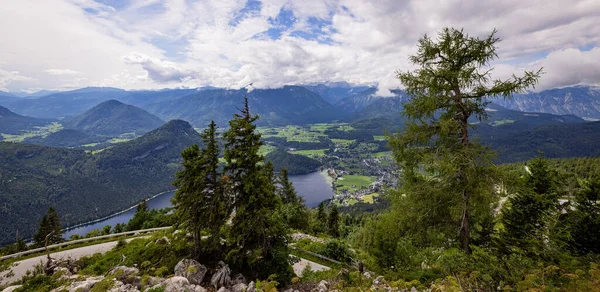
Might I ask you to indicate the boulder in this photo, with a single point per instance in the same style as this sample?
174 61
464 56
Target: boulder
163 241
251 287
223 289
413 289
197 288
222 276
120 287
323 286
367 275
238 279
378 281
82 286
175 284
240 287
126 275
192 270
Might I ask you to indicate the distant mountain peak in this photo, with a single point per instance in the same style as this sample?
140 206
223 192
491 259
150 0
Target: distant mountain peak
113 118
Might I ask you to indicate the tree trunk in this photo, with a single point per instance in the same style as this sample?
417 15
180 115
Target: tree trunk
465 226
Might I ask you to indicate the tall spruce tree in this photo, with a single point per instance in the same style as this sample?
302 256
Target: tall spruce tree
49 225
447 178
257 235
294 211
199 201
527 218
333 222
585 218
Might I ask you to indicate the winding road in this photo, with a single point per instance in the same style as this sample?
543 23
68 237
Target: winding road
23 266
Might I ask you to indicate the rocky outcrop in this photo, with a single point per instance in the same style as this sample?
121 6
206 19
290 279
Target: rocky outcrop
192 270
222 277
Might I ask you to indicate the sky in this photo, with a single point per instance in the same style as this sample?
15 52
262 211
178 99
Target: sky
153 44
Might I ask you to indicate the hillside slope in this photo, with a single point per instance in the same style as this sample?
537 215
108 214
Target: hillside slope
12 123
82 186
112 118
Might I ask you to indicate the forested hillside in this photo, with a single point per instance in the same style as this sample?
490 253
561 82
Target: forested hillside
82 186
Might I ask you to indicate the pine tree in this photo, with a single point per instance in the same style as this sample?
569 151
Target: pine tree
141 215
321 219
527 219
257 236
585 218
333 224
49 225
294 211
446 176
199 201
287 192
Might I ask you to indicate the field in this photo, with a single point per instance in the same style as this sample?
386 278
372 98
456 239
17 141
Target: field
311 153
353 183
370 198
37 132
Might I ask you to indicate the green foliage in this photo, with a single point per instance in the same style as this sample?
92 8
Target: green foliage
49 228
584 219
257 237
294 163
333 224
200 202
162 258
82 186
293 210
528 219
447 178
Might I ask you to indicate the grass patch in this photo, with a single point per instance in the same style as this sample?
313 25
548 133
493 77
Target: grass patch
311 153
380 138
370 198
264 150
502 122
382 154
343 142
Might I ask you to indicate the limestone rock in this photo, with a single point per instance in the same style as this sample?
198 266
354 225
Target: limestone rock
323 286
240 287
82 286
192 270
163 241
367 275
197 288
223 289
378 281
222 276
238 278
176 284
251 287
127 275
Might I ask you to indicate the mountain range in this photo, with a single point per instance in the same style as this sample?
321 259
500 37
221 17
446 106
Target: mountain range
278 106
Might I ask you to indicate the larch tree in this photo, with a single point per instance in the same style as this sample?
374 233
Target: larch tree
447 177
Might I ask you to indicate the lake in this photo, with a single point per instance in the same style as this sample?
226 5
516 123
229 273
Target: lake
313 187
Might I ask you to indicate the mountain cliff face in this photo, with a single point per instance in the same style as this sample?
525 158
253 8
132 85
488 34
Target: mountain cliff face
281 106
82 186
113 118
581 101
334 92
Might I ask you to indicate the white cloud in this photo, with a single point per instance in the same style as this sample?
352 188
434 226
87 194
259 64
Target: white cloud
62 72
158 43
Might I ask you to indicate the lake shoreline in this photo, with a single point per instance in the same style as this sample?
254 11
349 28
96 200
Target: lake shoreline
67 229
